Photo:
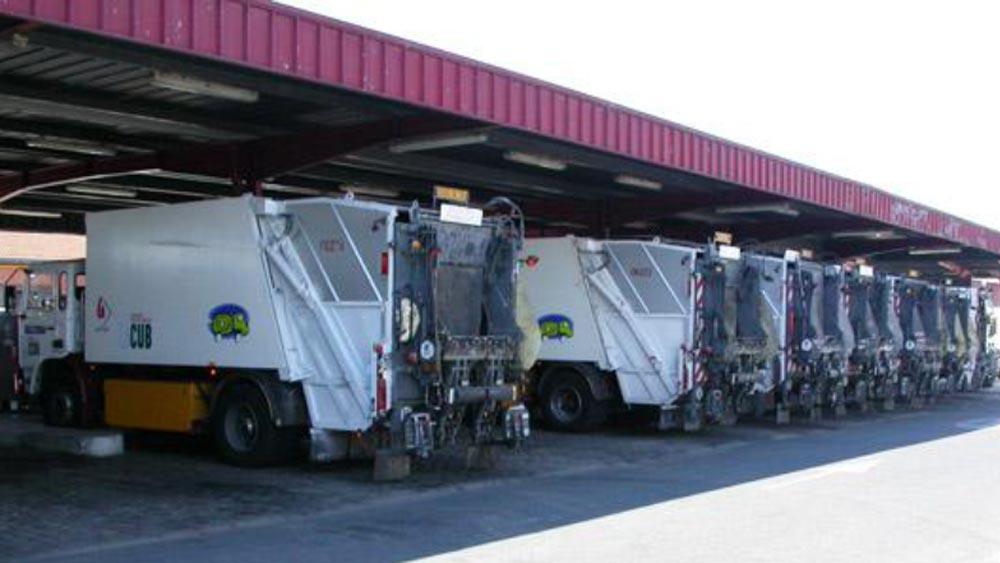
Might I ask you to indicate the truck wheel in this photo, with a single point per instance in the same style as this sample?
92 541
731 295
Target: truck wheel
244 432
568 405
62 405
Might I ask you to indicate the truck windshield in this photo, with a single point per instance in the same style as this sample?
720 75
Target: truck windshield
41 292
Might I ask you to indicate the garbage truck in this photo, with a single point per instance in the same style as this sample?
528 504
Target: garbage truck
742 333
987 358
804 382
364 327
970 319
887 339
867 375
617 322
921 357
959 318
824 339
645 325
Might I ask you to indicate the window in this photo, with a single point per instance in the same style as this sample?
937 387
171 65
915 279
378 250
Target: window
40 291
79 285
63 289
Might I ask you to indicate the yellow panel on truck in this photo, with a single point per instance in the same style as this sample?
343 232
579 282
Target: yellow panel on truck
154 405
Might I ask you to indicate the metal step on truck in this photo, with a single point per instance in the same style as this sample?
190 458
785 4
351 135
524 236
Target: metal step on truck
644 325
366 328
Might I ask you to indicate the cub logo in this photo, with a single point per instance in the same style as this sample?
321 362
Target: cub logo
229 322
556 327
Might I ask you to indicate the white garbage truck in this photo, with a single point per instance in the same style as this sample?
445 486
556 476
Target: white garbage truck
363 326
987 361
639 325
866 374
958 317
887 339
825 347
742 335
921 359
617 321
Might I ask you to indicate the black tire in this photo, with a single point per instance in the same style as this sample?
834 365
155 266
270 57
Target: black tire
244 432
567 403
62 404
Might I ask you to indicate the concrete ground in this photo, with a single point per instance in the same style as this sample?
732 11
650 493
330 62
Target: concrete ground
903 486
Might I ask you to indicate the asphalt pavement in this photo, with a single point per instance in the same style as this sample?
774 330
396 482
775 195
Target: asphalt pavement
919 485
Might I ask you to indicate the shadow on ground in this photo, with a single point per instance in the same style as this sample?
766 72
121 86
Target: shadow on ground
169 494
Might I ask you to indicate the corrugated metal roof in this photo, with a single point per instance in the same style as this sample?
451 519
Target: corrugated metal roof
299 44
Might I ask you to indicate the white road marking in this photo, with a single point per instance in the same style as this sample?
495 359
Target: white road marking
979 423
852 467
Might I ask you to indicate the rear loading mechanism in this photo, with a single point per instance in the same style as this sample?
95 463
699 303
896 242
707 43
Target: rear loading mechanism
741 340
958 313
457 337
885 341
986 360
803 381
865 375
921 359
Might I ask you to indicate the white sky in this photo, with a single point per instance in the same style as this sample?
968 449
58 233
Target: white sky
901 95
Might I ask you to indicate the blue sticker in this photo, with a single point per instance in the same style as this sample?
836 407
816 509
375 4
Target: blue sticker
229 321
556 327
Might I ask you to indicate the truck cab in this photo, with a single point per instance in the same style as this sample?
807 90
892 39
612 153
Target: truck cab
48 310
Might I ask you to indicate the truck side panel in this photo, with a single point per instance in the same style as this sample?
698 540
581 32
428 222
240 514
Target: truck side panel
625 306
183 285
558 295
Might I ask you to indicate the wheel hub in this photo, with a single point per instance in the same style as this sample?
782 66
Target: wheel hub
566 404
63 407
241 428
